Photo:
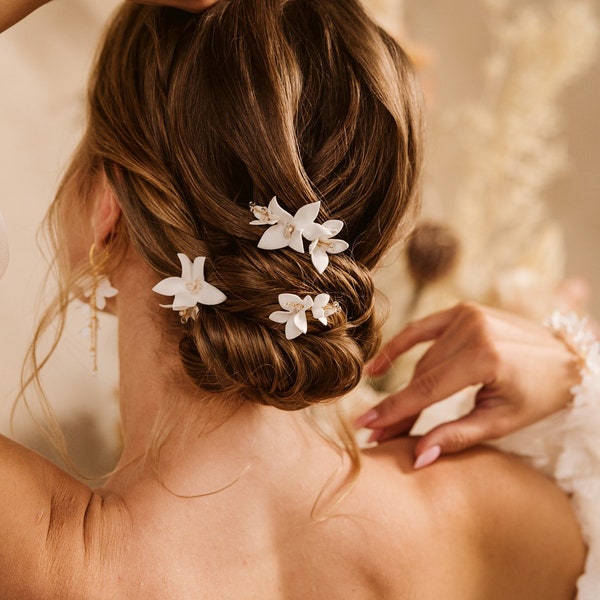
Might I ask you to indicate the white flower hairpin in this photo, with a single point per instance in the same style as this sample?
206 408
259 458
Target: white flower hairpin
294 313
190 289
323 308
288 231
322 245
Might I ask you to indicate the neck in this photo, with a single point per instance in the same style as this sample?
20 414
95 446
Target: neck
160 408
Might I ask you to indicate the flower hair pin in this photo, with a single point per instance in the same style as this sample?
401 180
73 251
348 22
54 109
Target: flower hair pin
286 231
295 309
190 289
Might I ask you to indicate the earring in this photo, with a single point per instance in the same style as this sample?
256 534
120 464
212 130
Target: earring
99 290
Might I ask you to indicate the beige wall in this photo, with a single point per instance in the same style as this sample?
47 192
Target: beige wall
458 37
575 198
43 66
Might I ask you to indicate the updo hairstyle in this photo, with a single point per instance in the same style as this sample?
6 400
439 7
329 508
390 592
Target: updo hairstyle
192 117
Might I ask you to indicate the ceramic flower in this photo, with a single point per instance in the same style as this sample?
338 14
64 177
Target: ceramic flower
263 215
190 289
102 291
322 308
293 315
322 245
288 230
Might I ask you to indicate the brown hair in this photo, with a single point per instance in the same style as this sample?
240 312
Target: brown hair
192 117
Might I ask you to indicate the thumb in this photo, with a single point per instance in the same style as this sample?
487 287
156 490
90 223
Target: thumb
478 426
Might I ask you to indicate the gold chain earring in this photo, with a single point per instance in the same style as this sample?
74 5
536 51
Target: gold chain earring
98 291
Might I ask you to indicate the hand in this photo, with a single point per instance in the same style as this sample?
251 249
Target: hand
525 374
189 5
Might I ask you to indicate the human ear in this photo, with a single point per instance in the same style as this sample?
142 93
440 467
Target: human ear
106 214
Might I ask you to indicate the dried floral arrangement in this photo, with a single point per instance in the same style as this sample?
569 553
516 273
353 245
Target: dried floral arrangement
497 243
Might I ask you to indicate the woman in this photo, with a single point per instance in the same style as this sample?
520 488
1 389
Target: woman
308 113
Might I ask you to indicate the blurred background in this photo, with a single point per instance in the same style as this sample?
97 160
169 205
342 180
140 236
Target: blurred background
511 189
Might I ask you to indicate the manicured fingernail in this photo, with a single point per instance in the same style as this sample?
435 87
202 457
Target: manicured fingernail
376 366
365 419
371 366
428 457
374 437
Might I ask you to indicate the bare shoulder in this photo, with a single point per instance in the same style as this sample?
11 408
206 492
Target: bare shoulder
50 526
503 521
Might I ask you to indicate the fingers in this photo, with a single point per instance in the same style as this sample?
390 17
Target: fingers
424 330
437 383
397 430
483 424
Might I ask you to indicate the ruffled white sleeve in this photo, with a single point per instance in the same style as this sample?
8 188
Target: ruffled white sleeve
567 447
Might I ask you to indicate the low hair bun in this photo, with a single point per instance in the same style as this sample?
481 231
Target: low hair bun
235 349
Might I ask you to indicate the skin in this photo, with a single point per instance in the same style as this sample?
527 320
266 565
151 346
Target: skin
227 510
524 373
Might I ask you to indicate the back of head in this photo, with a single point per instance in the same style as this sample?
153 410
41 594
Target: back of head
193 117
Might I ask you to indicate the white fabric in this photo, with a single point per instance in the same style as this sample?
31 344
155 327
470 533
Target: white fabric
566 446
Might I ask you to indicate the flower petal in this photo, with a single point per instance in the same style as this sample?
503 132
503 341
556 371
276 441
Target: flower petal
292 331
107 290
100 302
307 214
169 286
263 215
295 242
300 321
336 246
320 259
307 302
103 291
319 304
273 238
287 301
209 295
198 269
278 211
281 316
334 226
183 300
186 267
331 310
314 231
321 310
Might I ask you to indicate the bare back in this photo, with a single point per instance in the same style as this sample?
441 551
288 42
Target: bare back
476 526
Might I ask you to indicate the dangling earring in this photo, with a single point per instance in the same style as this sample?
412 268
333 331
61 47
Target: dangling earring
99 290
